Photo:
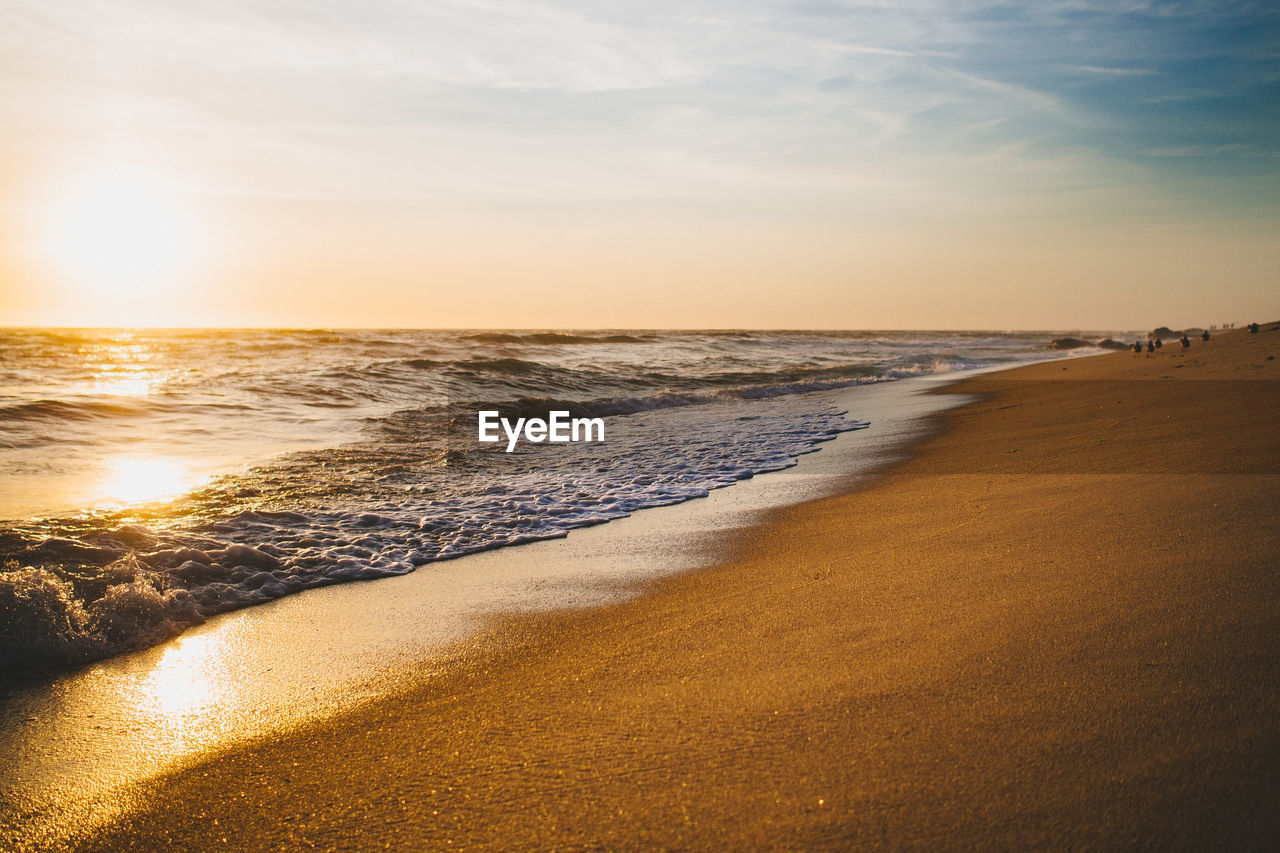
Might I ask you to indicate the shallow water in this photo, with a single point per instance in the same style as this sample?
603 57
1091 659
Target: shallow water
152 478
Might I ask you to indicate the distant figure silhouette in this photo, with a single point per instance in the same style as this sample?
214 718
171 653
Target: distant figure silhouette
1151 346
1137 347
1159 343
1186 342
1205 336
1253 328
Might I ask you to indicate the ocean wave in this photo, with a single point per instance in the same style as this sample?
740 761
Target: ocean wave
46 622
471 367
669 388
554 338
504 366
95 589
604 407
75 410
378 469
755 385
793 374
593 388
924 365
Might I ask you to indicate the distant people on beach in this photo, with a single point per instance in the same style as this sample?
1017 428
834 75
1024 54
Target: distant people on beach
1151 346
1186 342
1159 343
1137 346
1253 328
1205 336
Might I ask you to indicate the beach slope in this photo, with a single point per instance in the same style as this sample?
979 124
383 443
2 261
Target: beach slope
1056 625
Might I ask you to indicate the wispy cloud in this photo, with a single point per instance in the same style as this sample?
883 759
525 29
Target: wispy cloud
486 98
1113 72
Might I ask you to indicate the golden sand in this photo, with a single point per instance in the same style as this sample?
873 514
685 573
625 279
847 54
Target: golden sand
1057 625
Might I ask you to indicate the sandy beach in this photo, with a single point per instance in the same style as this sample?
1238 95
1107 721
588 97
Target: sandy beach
1056 625
629 426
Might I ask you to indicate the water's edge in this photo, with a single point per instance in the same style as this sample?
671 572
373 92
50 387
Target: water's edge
77 739
379 470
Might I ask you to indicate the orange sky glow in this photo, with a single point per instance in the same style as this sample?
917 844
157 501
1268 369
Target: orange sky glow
464 165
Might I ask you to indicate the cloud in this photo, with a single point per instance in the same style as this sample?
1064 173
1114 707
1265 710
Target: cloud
1116 72
486 99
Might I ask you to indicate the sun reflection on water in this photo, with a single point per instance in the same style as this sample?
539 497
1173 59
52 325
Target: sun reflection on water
124 384
143 479
124 367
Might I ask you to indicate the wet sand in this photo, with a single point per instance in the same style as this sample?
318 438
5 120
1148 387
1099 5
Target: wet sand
1058 624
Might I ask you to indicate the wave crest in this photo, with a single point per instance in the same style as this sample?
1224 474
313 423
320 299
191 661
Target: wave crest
553 338
46 622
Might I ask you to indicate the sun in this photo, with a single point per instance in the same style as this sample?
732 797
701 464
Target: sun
120 233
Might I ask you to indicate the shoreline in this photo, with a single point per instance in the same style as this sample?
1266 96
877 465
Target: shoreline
711 691
263 670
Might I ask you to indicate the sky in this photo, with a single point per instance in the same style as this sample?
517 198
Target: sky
901 164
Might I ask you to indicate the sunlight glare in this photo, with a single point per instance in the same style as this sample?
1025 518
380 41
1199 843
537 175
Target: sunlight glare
185 680
139 479
124 367
121 233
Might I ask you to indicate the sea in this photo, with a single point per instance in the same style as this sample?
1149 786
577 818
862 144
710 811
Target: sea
152 478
